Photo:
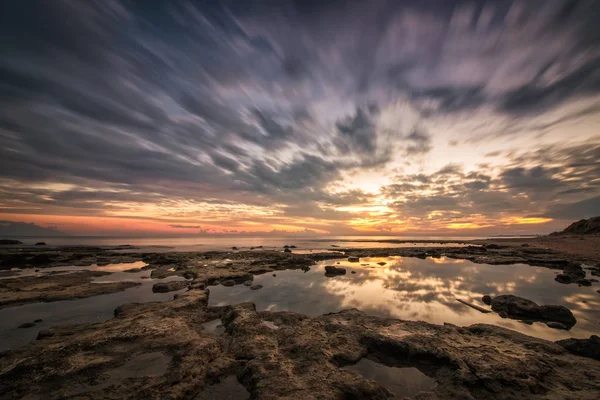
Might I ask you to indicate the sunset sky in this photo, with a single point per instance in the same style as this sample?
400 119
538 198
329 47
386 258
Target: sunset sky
428 117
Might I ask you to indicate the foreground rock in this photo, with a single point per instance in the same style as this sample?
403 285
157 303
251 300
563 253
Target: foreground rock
161 351
164 287
519 308
48 288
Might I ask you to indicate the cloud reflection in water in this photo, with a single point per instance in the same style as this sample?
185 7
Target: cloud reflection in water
416 289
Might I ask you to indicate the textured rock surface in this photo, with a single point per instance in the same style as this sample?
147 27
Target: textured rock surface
299 360
164 287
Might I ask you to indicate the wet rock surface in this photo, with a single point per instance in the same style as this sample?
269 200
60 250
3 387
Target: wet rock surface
164 287
304 358
583 347
519 308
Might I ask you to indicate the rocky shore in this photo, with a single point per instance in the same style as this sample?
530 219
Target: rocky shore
294 357
163 350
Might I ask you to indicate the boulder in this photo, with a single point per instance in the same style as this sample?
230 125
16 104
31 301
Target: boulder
40 244
164 287
331 270
353 259
519 308
10 241
228 282
583 347
515 307
559 314
487 299
382 263
287 250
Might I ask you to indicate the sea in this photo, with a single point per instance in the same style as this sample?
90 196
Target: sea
206 243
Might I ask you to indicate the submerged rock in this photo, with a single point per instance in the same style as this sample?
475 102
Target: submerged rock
228 282
353 259
164 287
248 283
520 308
331 270
256 287
27 325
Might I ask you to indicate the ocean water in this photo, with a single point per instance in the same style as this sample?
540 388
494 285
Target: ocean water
205 243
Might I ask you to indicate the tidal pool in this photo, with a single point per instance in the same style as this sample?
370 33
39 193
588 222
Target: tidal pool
402 382
416 289
78 311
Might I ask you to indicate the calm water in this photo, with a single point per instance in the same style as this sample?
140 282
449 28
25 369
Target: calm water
402 382
79 311
226 243
416 289
405 288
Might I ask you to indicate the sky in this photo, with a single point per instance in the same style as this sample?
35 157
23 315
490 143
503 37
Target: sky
410 118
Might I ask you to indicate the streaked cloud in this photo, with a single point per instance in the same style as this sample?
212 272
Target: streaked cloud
339 117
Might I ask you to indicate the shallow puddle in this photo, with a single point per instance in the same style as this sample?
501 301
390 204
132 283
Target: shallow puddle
228 389
403 382
215 327
417 289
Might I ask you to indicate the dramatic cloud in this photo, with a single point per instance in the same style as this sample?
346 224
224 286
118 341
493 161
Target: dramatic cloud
332 117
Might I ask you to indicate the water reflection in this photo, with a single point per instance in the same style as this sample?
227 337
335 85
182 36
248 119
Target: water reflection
402 382
416 289
79 311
